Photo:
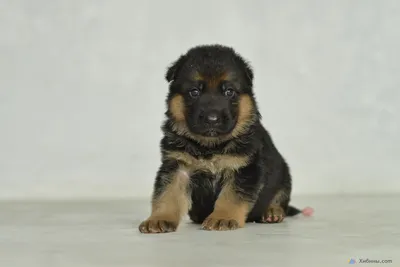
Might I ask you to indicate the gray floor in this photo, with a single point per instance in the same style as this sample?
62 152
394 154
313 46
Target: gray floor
104 233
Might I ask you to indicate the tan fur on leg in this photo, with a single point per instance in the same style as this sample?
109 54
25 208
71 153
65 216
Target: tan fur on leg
169 208
229 213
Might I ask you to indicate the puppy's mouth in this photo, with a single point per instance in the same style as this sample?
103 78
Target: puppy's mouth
215 131
209 130
211 133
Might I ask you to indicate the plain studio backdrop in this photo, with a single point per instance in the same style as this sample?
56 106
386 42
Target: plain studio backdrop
82 90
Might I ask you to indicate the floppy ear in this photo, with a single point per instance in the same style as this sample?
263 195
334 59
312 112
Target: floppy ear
246 68
173 70
249 73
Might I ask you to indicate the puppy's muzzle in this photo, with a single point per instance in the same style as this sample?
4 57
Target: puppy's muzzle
213 118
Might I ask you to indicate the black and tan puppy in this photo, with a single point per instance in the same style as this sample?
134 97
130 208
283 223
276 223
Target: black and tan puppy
219 164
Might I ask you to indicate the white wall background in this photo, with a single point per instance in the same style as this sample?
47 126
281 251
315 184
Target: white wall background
82 89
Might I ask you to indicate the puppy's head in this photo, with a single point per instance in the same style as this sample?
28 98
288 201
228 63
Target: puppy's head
210 95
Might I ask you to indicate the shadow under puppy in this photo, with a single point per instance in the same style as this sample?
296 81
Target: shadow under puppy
219 164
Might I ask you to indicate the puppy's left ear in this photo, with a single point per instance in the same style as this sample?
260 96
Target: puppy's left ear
174 69
249 73
246 68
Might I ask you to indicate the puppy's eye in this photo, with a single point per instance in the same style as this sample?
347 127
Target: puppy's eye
229 92
194 92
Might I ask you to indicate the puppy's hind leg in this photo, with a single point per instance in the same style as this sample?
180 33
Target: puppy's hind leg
276 211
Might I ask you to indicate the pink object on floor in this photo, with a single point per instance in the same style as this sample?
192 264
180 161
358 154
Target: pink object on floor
308 211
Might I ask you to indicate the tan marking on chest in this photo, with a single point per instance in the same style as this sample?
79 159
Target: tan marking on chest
215 164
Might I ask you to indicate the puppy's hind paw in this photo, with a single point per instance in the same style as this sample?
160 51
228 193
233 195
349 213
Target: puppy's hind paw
274 214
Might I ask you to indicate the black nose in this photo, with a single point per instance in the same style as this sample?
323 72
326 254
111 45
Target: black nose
213 117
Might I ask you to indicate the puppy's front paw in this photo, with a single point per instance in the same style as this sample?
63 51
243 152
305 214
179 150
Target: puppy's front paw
152 226
219 224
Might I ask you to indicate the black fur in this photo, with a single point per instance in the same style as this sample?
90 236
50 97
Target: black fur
265 175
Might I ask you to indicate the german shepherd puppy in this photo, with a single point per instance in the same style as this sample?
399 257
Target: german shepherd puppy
219 164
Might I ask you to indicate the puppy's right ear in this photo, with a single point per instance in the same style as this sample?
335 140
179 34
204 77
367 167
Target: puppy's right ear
174 69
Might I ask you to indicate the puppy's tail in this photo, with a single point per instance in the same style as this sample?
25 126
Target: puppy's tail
293 211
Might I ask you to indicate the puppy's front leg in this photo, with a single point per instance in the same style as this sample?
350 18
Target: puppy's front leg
170 201
232 206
